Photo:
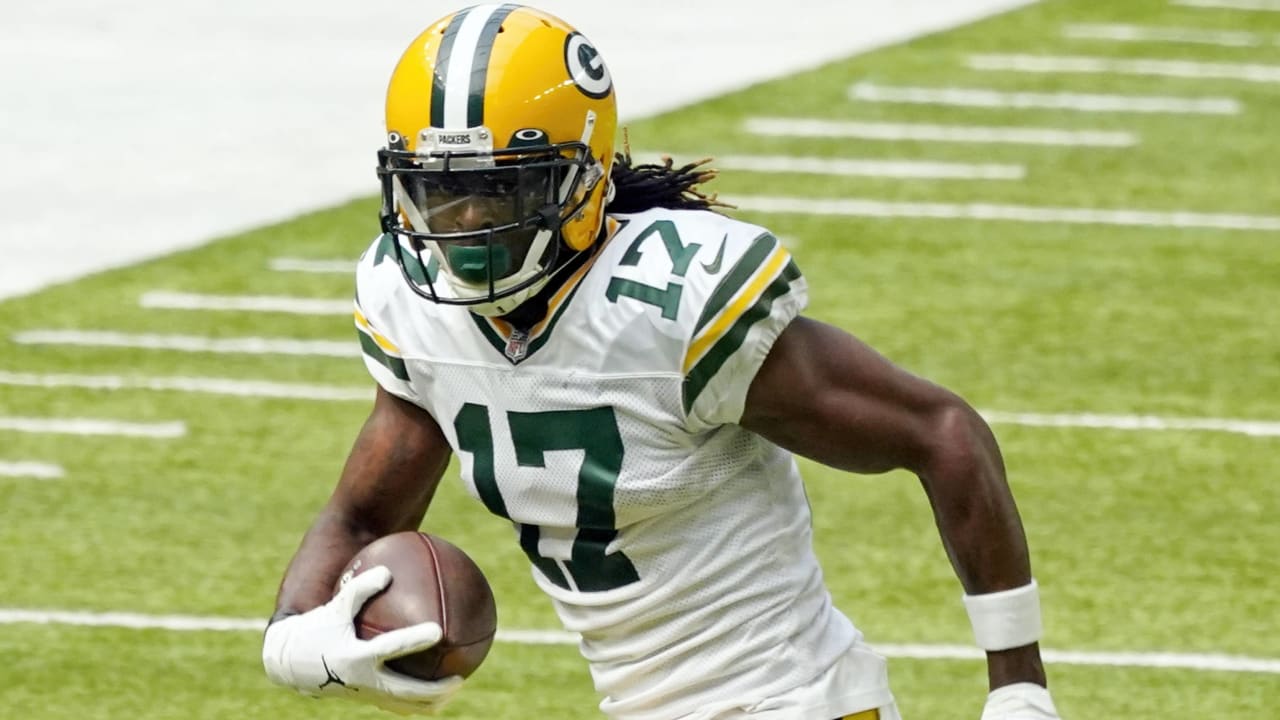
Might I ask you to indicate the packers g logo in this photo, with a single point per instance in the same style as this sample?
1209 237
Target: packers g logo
586 67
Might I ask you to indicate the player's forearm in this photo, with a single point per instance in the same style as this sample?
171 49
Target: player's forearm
981 529
325 549
974 509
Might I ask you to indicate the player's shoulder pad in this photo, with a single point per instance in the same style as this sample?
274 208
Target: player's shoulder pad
380 289
380 280
728 286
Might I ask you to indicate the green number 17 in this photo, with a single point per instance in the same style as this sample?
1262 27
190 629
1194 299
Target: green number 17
590 568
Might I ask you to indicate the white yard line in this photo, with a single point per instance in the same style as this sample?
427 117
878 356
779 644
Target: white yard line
130 621
92 426
1077 102
205 385
902 169
1182 661
190 343
1150 67
190 623
1254 428
817 128
30 469
859 207
269 389
254 303
1143 33
1258 5
319 267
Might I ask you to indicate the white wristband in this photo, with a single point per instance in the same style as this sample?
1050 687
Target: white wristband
1005 619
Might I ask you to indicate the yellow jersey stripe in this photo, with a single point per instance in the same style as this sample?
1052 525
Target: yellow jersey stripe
735 309
363 324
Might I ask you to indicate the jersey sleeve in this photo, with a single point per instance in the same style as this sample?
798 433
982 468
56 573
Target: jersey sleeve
377 276
741 316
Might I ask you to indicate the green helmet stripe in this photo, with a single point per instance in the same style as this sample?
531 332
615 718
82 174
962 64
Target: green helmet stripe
462 66
441 71
480 65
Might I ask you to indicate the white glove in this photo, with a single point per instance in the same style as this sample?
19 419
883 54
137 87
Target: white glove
1020 701
318 653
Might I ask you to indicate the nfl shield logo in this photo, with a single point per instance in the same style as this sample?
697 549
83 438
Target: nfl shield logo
517 346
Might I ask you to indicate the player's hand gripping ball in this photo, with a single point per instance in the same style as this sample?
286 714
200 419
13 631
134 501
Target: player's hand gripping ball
431 581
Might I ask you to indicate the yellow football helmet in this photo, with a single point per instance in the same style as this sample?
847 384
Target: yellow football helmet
500 135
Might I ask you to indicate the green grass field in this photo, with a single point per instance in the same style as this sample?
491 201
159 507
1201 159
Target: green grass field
1144 540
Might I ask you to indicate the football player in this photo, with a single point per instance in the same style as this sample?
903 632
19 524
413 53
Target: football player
624 375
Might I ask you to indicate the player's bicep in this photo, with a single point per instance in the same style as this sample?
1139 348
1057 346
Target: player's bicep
824 394
393 469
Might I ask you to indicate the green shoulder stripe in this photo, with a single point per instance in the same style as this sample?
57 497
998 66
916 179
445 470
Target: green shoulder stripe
706 368
738 276
394 364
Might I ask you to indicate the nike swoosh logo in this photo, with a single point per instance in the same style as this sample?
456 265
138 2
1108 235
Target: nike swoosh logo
714 266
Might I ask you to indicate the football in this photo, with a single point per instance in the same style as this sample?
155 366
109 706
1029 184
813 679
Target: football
431 580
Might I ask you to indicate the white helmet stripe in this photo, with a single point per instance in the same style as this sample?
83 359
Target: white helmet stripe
469 65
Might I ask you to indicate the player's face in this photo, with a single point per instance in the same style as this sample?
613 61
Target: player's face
466 201
469 213
463 202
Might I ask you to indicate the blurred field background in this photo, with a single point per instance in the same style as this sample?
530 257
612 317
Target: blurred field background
1110 305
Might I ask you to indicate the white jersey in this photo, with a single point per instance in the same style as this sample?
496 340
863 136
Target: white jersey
676 543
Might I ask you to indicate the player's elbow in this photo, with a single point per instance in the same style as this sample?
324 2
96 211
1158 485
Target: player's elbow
960 448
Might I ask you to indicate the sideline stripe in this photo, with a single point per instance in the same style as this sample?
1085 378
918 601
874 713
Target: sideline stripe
252 303
854 167
1079 102
817 128
206 385
319 267
1249 72
189 623
1254 428
861 207
192 343
91 426
1259 5
28 469
1140 33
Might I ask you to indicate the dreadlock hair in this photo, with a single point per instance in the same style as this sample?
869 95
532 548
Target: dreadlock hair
643 187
